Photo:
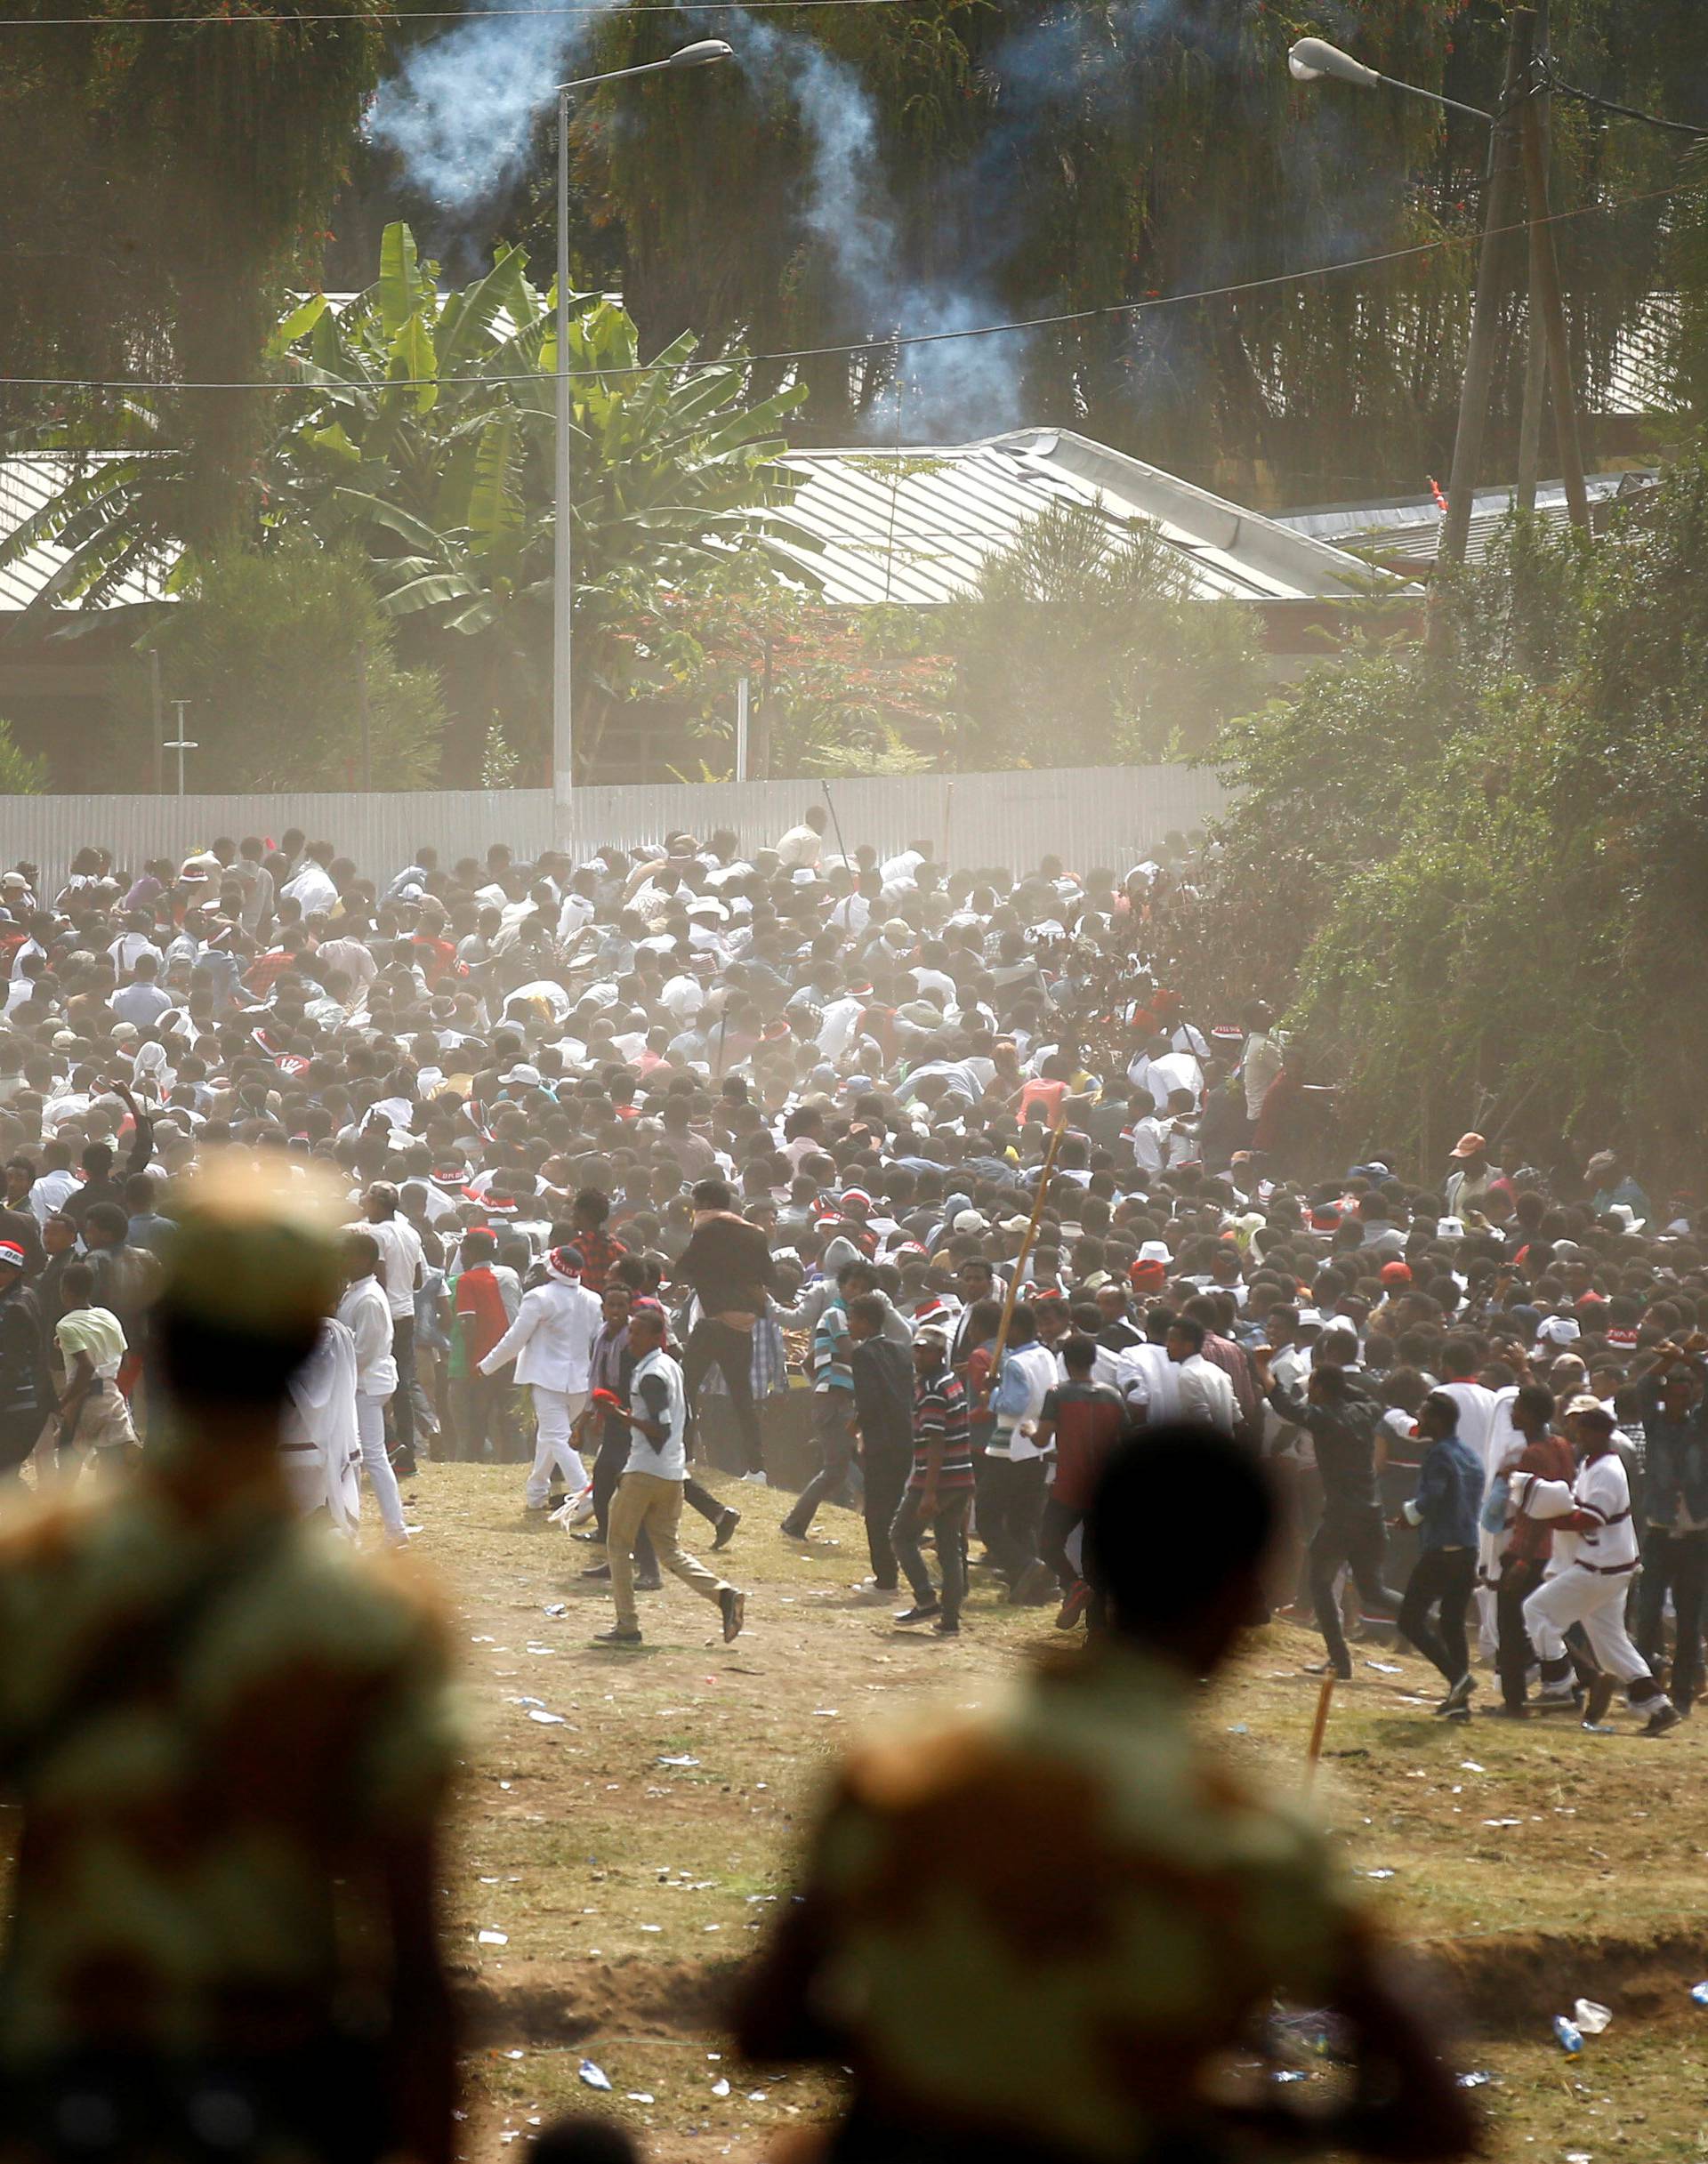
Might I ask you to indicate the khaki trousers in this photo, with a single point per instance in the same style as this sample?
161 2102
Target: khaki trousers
644 1499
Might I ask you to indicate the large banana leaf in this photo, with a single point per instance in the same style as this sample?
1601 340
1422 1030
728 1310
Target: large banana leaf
401 291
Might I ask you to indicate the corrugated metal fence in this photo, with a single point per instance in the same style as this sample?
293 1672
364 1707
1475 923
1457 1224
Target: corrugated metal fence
1086 815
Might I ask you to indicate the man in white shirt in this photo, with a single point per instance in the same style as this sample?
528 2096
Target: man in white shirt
142 1001
1163 1140
1150 1381
1163 1071
402 1270
1015 1471
800 848
1589 1573
1260 1062
365 1313
1206 1396
350 954
551 1343
55 1184
131 942
313 889
650 1490
840 1024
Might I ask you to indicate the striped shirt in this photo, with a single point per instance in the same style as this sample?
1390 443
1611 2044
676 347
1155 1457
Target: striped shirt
940 1424
832 1353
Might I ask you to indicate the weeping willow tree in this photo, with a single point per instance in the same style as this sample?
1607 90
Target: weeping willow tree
159 181
940 163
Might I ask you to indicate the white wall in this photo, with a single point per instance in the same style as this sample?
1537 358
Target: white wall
1086 816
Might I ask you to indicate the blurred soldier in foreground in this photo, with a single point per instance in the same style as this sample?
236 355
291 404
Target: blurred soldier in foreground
1032 1935
228 1732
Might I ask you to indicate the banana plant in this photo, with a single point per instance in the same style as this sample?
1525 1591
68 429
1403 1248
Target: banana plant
420 422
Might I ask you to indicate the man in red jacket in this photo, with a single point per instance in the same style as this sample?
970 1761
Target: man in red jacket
1530 1541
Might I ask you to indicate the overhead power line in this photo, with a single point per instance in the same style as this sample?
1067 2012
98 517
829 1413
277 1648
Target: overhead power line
1558 89
893 340
446 14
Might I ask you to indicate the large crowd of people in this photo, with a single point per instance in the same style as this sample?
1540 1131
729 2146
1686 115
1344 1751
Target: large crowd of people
629 1135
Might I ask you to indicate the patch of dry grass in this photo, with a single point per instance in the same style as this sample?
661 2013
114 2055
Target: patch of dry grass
625 1886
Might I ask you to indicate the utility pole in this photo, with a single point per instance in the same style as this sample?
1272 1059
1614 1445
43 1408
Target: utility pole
1544 283
182 742
1500 212
1536 356
159 724
361 709
744 708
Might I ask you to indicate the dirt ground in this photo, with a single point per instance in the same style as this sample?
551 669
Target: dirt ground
630 1844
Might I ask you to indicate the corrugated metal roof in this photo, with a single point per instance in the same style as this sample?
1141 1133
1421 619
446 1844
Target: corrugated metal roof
1409 531
916 525
27 485
1639 378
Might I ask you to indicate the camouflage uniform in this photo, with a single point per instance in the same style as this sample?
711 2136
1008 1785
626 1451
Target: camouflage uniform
1038 1927
191 1797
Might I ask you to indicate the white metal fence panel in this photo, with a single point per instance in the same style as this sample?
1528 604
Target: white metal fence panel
1086 815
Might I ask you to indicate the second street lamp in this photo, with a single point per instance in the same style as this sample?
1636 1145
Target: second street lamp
1312 58
706 52
1515 120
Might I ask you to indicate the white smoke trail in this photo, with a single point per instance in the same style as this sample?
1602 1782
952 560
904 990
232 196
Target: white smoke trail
959 386
460 112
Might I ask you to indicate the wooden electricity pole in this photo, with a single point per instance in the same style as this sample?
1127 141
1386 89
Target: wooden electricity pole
1499 214
1546 295
1536 355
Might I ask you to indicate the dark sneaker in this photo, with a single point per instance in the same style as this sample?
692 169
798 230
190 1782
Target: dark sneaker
724 1531
1033 1588
1459 1698
1665 1716
649 1585
921 1613
734 1606
1074 1604
1342 1670
947 1627
618 1638
792 1532
1597 1701
598 1570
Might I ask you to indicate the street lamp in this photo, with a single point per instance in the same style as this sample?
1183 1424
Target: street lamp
1313 57
1517 169
705 54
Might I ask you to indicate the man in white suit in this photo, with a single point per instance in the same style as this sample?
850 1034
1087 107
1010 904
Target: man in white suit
551 1343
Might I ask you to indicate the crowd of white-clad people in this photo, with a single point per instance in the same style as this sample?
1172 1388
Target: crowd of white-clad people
935 1148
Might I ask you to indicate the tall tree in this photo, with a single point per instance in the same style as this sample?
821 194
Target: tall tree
1475 878
941 163
158 181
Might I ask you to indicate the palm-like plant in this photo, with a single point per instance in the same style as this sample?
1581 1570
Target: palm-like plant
421 422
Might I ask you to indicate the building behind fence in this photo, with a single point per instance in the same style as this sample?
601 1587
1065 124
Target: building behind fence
1086 815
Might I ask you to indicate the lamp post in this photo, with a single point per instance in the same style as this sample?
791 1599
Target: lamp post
705 54
1515 122
1312 58
180 743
